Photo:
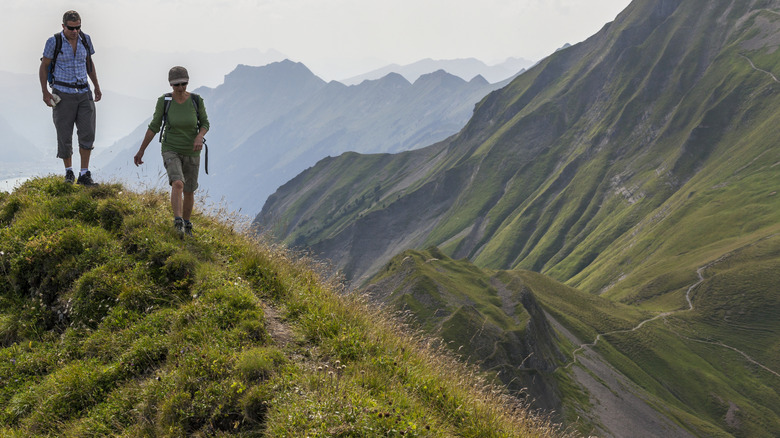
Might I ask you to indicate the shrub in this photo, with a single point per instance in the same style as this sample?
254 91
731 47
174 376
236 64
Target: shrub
255 403
256 268
61 396
178 272
50 263
9 210
174 415
111 215
259 363
94 294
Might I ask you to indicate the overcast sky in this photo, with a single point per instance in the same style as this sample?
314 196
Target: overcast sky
332 37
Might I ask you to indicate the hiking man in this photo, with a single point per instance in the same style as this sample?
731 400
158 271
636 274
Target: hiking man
66 64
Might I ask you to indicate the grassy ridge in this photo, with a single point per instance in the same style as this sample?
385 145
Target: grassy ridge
112 325
714 367
711 369
457 302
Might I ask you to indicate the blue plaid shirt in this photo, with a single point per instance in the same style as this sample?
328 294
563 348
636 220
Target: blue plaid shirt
69 68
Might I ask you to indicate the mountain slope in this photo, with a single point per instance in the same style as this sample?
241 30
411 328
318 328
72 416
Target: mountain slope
530 331
647 115
112 325
641 166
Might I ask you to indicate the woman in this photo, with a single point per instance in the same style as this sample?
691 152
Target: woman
183 126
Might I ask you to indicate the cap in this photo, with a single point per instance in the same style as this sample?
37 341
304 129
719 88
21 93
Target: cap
178 74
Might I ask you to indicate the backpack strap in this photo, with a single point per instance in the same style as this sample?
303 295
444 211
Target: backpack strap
58 49
90 66
196 101
196 104
168 99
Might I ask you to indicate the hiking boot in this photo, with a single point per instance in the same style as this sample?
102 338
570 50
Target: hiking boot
86 180
70 178
178 224
188 228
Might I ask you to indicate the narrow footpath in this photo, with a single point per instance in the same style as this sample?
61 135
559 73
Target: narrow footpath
689 299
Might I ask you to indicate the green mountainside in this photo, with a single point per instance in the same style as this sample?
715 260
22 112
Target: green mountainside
641 167
112 325
650 121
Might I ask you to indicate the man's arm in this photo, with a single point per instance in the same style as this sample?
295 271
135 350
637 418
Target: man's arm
43 75
93 77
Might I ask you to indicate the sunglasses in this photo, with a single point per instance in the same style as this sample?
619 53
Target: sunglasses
180 84
73 27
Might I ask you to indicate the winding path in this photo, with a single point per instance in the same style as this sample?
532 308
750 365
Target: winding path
761 70
700 273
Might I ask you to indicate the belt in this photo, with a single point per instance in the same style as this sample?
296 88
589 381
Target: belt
66 84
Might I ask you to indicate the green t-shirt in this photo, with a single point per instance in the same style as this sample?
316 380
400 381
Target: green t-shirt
182 125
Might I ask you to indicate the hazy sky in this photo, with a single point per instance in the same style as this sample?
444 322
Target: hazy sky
332 37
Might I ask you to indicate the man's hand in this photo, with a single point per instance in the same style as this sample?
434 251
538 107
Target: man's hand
47 98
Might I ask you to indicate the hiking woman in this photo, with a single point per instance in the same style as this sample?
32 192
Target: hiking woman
181 116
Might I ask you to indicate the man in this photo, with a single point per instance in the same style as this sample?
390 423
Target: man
71 96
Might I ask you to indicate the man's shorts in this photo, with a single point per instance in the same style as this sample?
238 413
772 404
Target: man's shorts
182 168
74 109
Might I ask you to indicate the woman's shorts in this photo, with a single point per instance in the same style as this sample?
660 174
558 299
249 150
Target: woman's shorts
182 168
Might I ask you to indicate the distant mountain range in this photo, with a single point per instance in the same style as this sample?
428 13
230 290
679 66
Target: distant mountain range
270 123
465 69
120 113
639 168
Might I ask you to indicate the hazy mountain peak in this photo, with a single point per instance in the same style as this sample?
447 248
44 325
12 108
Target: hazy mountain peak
272 71
391 79
478 80
465 69
439 76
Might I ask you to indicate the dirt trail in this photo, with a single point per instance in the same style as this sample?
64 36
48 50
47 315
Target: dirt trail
619 407
616 399
761 70
700 273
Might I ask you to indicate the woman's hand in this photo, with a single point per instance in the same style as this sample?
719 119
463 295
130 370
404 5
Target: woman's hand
138 158
198 143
